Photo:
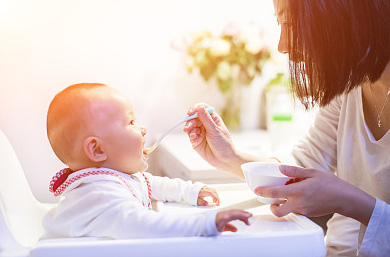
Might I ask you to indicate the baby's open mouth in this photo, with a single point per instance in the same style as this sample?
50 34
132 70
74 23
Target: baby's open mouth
148 150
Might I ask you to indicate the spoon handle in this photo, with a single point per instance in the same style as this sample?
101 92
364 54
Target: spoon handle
195 115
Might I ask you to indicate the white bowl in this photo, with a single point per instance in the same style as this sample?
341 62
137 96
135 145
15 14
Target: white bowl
264 174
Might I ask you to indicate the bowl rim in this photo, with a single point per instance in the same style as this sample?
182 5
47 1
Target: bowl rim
280 175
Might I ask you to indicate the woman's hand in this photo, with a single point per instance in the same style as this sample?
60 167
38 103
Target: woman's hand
210 138
319 193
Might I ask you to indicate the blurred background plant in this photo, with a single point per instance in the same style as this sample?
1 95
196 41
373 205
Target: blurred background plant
237 55
234 58
280 83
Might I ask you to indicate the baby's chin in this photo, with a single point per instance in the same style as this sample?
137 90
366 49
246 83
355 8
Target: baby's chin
140 169
147 166
133 172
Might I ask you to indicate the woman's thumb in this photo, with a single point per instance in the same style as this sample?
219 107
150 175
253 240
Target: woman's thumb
206 119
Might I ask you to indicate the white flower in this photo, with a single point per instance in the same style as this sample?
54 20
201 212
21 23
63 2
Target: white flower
190 64
200 58
251 36
220 47
231 30
253 45
224 70
206 42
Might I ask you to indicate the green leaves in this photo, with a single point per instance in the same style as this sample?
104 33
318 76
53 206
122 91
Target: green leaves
280 80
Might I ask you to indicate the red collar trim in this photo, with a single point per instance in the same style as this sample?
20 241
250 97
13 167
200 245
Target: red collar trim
59 182
59 178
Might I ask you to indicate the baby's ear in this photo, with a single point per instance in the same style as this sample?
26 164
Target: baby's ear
94 149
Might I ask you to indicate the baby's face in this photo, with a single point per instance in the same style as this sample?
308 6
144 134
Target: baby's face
122 138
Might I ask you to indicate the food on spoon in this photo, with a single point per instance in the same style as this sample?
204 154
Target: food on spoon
148 150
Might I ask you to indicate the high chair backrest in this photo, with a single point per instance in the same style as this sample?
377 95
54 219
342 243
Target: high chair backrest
21 213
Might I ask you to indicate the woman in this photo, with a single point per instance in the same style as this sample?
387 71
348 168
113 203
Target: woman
339 53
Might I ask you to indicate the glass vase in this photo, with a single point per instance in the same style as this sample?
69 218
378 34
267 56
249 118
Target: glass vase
230 112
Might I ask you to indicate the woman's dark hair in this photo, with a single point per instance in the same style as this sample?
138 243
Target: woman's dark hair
336 45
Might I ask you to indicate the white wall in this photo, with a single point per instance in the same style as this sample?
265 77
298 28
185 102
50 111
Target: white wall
46 45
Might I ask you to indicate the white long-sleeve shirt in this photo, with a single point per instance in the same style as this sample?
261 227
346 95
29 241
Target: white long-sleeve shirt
341 142
116 206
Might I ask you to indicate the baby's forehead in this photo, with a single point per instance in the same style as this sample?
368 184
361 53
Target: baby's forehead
108 99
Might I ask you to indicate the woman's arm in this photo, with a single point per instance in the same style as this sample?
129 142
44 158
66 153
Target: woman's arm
375 239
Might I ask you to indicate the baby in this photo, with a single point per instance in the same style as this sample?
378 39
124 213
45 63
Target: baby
105 191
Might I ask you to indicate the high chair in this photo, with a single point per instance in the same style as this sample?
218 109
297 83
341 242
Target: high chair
21 227
20 215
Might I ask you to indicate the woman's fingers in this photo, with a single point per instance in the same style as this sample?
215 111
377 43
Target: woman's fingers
280 210
279 201
206 119
195 137
195 108
274 192
191 124
283 191
298 172
194 133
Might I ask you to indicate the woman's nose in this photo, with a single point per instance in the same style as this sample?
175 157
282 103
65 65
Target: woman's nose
282 46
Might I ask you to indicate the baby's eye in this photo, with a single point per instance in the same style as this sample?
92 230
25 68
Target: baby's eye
132 122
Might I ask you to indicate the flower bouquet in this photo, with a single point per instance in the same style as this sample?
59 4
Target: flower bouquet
234 58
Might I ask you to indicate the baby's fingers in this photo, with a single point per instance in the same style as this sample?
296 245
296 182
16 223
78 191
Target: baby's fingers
229 227
224 217
214 195
207 192
202 202
244 217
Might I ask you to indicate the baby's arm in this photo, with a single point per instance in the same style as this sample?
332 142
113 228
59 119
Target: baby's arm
174 190
109 210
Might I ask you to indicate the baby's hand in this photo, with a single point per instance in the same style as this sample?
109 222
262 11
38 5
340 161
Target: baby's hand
224 217
207 192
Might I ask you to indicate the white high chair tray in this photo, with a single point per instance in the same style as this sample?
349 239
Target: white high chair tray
268 235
